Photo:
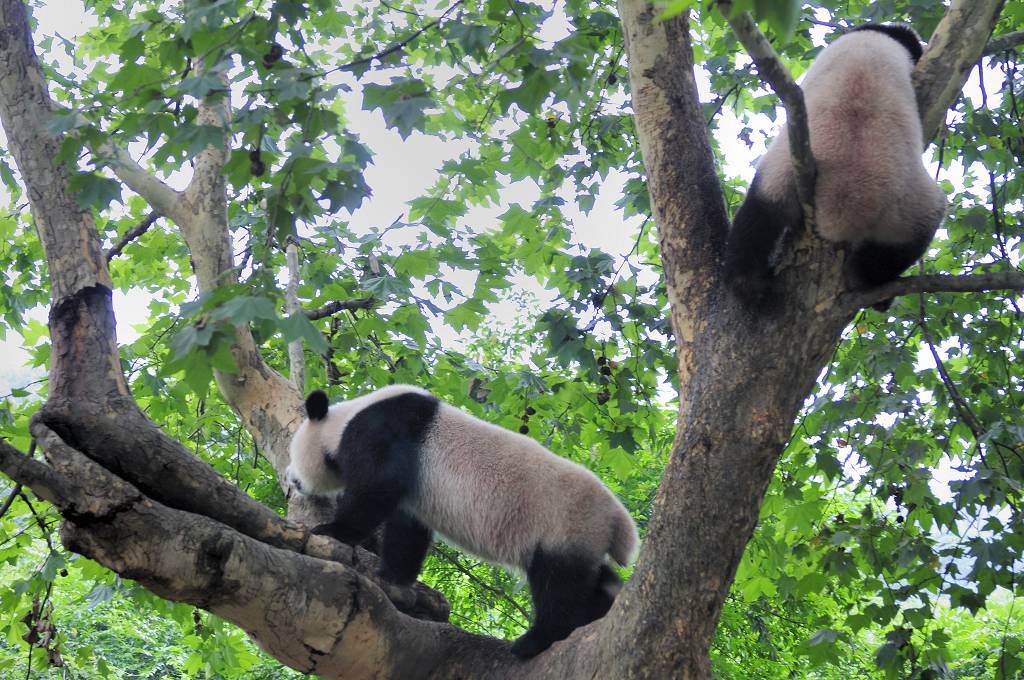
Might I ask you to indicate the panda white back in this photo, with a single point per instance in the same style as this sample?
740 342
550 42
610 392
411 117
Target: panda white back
867 143
499 495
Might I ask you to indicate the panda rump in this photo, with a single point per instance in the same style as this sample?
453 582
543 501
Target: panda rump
418 465
872 190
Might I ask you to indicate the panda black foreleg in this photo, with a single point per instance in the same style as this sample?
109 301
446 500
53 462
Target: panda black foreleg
563 590
360 511
406 542
873 263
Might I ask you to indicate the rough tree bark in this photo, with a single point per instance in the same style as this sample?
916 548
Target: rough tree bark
139 503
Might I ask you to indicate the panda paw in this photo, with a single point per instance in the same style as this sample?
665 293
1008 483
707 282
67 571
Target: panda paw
530 645
388 575
331 530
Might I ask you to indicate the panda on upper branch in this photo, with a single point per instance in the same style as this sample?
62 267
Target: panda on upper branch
872 192
418 465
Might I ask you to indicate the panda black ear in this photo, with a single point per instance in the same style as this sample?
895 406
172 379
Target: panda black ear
316 405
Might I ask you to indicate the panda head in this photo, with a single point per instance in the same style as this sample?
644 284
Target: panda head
901 33
309 471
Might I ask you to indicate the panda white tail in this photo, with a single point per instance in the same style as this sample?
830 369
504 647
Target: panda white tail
624 538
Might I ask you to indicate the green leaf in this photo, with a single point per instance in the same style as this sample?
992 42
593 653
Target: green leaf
403 103
94 191
296 326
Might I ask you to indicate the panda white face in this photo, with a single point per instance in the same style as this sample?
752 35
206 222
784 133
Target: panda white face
308 472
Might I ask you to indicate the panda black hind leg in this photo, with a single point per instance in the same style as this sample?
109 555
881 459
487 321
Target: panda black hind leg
758 234
405 546
563 587
605 591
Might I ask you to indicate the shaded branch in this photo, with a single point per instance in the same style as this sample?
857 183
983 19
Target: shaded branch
1001 43
10 500
934 283
966 414
296 365
332 308
953 49
132 234
771 70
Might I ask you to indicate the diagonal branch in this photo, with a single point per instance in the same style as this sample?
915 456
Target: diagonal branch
161 197
774 72
332 308
934 283
1004 42
132 234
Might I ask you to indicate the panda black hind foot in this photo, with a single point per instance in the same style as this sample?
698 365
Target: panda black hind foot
531 643
338 532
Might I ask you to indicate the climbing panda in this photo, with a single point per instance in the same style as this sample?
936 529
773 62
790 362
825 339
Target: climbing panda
418 465
872 192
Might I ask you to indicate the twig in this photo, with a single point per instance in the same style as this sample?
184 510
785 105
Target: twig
771 69
10 500
337 306
398 45
934 283
476 579
132 234
966 414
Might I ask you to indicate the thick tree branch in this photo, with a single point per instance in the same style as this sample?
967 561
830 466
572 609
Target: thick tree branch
953 49
315 615
774 72
332 308
25 111
934 283
686 197
132 234
161 197
1004 42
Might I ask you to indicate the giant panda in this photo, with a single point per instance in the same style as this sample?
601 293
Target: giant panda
872 192
418 465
